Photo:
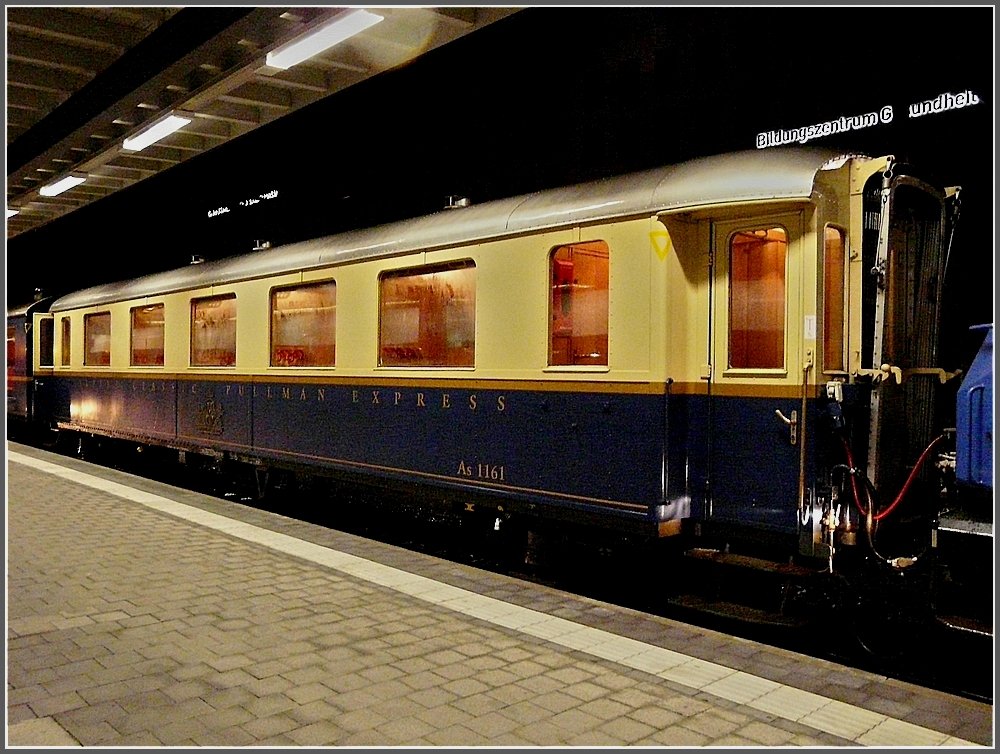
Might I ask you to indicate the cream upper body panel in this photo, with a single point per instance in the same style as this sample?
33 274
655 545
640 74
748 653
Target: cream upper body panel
653 222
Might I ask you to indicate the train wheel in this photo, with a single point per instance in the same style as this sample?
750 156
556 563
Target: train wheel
88 448
889 625
47 435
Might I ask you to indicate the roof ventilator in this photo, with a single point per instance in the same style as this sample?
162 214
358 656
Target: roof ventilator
456 202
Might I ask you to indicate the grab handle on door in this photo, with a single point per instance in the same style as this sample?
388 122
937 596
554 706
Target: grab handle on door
792 424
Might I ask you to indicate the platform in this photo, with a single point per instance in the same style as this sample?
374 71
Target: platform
139 614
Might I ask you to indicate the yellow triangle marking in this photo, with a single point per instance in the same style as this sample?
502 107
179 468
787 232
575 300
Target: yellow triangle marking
661 243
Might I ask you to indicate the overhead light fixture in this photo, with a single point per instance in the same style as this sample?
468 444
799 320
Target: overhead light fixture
154 132
321 38
11 212
63 184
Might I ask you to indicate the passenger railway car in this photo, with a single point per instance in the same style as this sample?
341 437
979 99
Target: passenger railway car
740 346
20 358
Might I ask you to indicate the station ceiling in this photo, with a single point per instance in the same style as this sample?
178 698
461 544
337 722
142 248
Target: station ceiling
82 79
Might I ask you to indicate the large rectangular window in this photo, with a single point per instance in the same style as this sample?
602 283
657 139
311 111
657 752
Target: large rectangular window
834 299
427 317
97 339
757 299
304 325
64 344
578 308
147 336
45 345
213 331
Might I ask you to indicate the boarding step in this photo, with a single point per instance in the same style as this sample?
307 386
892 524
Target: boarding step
746 588
967 625
721 558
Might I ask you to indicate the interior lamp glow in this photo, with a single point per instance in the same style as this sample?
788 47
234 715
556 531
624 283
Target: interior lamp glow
11 212
323 37
63 184
155 132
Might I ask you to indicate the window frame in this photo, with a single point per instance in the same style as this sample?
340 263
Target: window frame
782 368
87 353
271 313
11 349
65 341
195 301
845 301
131 335
464 263
46 342
551 334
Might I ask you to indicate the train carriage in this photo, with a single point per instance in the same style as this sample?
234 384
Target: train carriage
715 346
21 344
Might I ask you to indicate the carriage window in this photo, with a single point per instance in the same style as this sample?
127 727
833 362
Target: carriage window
11 359
304 325
834 303
757 299
427 317
578 308
45 338
11 348
147 336
65 342
213 331
97 339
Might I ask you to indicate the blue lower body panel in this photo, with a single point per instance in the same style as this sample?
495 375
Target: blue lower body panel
215 414
571 449
595 452
646 457
140 408
732 460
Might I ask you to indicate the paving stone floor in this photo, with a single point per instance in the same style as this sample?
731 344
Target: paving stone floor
128 626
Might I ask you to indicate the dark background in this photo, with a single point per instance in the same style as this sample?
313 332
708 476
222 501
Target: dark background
553 96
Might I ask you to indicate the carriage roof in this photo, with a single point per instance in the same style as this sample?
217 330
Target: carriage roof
759 175
24 310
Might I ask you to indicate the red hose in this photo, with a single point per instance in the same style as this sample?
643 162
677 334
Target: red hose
909 479
854 481
906 486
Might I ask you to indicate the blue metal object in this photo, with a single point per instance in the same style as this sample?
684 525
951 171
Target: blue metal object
601 451
974 441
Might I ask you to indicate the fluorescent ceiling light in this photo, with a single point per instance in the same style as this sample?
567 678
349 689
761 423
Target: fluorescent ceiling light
155 132
63 184
11 212
321 38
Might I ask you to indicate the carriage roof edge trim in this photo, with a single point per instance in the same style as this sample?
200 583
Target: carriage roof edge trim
24 310
752 175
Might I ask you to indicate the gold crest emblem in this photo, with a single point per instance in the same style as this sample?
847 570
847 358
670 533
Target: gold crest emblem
209 419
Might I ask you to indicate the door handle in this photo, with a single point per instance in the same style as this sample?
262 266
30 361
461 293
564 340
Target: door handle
792 423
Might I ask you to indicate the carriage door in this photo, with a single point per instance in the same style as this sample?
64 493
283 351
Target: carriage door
901 318
755 372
